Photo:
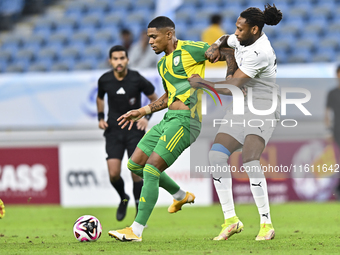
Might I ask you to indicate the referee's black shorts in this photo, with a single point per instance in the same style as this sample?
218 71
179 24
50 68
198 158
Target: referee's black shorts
118 140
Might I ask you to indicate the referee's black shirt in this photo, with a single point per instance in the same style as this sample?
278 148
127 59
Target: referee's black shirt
124 95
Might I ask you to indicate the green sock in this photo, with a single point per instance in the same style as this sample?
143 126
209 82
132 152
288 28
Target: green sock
149 195
168 184
135 168
165 181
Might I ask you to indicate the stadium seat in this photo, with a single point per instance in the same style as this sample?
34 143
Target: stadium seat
6 56
56 46
64 65
284 42
137 17
334 27
3 64
92 19
193 34
270 31
230 15
25 54
205 13
324 55
35 39
121 4
40 66
298 11
148 4
330 41
10 7
17 67
322 11
59 37
103 65
290 28
84 65
319 21
305 43
66 31
281 55
185 14
73 52
313 28
300 56
106 35
80 36
95 51
66 22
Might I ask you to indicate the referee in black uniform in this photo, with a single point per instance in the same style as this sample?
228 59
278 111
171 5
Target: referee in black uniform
123 87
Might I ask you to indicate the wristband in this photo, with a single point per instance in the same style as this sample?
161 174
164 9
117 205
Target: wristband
101 116
147 109
220 40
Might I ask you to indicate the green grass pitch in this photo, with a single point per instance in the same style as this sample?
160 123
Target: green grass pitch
301 228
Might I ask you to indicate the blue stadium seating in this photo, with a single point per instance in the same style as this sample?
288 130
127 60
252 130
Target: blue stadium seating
81 36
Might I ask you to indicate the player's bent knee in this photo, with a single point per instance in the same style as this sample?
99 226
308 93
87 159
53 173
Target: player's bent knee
139 157
218 154
157 161
135 168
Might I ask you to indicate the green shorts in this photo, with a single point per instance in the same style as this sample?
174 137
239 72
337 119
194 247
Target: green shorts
171 136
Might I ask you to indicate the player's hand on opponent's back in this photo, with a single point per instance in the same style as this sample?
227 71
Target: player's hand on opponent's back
103 124
129 117
142 124
213 53
196 81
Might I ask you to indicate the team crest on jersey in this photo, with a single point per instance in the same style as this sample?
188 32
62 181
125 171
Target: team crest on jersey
176 60
132 101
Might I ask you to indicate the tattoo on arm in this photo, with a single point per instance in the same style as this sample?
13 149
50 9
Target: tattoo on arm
211 51
227 54
160 104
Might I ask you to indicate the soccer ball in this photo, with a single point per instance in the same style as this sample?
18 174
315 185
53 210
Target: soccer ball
87 228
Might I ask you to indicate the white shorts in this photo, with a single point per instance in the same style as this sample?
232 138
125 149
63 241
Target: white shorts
239 126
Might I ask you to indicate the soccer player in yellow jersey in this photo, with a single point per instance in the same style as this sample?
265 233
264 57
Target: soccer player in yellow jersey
180 127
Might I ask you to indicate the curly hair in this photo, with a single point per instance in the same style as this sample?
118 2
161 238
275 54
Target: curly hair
255 17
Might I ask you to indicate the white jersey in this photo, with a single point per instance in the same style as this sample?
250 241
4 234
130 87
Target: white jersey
258 61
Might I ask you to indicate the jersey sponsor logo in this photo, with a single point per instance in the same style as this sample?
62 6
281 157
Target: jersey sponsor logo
176 60
81 178
132 101
163 138
142 199
120 91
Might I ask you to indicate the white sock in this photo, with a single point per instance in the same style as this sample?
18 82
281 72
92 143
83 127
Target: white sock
258 187
137 228
179 195
223 183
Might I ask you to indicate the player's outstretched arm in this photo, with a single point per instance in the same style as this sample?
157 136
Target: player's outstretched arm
213 54
134 115
238 79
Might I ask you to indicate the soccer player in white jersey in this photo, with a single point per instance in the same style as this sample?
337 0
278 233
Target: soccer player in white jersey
256 62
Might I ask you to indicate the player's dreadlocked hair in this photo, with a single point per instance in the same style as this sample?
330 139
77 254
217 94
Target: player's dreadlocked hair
255 17
161 22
